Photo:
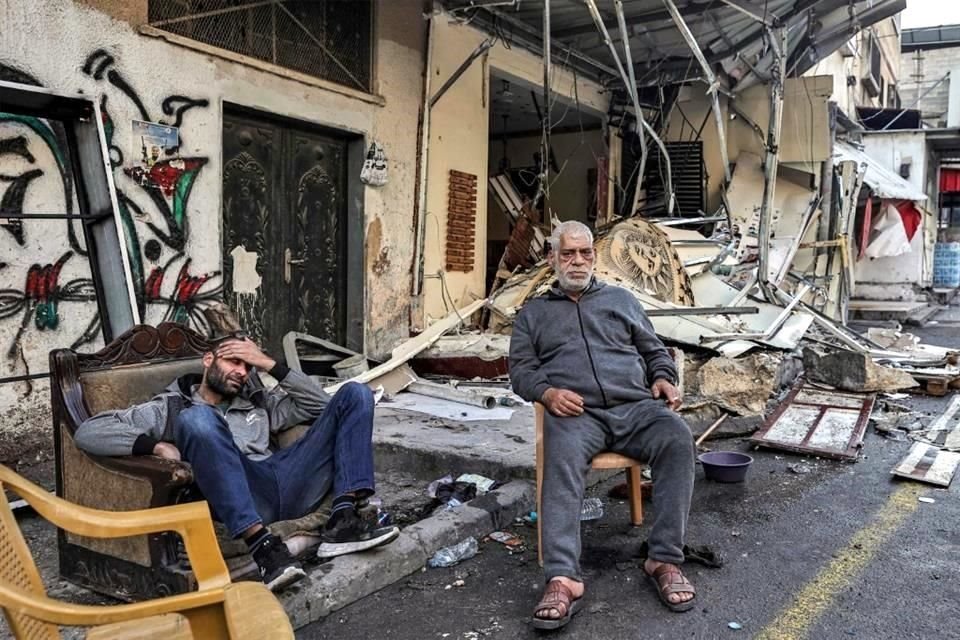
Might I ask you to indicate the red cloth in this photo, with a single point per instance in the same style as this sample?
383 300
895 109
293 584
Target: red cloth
911 217
949 180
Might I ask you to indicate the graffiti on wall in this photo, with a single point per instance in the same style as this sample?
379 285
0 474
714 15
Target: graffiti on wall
153 206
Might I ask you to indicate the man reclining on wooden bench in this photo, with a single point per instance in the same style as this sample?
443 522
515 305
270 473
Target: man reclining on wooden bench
221 424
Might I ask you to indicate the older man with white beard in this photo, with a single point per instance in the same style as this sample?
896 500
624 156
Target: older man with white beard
587 351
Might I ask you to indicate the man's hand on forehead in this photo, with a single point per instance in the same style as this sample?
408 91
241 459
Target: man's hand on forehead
245 350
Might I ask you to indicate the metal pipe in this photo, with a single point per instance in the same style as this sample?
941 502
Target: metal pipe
446 392
771 159
595 14
544 187
481 49
711 79
634 96
702 311
771 330
682 222
422 166
747 12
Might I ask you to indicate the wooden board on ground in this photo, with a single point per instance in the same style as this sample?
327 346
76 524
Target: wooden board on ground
944 432
818 422
928 463
413 346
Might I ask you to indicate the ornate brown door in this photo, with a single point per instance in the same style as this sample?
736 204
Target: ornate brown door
284 208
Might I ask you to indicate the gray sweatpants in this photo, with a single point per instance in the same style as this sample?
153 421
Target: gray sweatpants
646 430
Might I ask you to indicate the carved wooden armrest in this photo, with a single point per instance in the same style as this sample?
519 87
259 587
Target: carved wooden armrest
166 476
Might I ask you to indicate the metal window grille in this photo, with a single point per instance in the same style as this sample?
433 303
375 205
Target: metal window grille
329 39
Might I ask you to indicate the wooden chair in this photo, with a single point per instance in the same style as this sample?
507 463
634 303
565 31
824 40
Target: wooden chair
603 460
218 609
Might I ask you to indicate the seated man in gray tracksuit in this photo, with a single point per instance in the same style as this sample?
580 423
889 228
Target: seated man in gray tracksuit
221 423
587 351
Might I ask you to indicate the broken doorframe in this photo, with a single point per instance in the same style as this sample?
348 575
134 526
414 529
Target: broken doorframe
99 213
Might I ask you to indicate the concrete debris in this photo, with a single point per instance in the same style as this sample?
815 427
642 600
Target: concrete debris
893 339
851 371
742 386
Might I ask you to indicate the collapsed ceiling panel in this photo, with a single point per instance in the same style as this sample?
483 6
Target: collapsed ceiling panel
730 33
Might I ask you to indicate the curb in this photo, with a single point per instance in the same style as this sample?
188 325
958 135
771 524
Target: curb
344 580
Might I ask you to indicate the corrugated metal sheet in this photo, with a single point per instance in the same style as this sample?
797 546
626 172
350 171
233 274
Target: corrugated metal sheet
884 182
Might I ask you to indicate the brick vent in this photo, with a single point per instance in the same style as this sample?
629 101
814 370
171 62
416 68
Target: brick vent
461 221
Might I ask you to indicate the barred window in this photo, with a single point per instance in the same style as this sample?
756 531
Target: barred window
329 39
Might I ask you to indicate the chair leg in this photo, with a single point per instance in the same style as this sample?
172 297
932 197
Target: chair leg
539 466
538 410
635 488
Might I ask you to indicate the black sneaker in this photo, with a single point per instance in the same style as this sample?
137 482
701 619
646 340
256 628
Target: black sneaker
278 569
351 533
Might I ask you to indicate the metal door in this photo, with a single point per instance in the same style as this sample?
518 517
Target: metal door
284 199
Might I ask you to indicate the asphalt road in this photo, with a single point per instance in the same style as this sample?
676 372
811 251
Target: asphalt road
840 551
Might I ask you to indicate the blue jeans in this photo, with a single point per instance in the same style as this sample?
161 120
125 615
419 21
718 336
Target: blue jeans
337 452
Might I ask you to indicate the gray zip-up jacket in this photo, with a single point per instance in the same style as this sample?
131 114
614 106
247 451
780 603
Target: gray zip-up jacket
602 347
252 416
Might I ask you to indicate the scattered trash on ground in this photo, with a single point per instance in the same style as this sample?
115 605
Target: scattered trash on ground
454 554
592 509
926 500
482 483
510 540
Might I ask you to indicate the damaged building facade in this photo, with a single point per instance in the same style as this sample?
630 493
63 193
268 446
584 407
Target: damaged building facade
259 202
357 171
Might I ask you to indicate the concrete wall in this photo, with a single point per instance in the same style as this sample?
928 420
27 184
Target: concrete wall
913 268
920 71
459 136
72 48
852 61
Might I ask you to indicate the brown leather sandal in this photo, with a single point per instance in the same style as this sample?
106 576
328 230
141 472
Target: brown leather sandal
558 597
667 579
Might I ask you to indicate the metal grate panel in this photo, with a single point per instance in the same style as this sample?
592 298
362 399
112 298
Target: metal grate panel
329 39
686 164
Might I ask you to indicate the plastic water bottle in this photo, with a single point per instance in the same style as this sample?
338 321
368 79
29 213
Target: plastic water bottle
592 509
449 556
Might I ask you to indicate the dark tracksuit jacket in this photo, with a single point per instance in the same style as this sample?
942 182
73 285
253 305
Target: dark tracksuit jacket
602 347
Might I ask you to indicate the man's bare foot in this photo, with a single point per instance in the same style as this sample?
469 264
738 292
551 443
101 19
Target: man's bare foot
677 595
556 604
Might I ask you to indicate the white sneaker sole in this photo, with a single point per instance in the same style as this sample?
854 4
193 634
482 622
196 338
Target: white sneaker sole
334 549
289 576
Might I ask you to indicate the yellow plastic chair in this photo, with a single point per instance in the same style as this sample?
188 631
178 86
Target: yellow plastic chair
603 460
218 609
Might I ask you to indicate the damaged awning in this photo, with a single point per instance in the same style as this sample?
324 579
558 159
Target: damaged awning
885 183
729 33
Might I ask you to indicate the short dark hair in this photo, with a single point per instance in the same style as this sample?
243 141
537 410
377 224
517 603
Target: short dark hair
221 339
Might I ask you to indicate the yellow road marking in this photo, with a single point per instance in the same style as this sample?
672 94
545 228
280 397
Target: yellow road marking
794 622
